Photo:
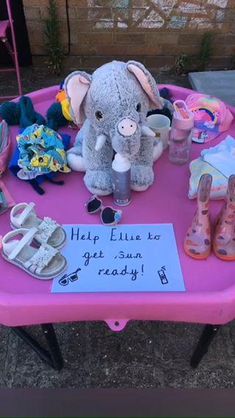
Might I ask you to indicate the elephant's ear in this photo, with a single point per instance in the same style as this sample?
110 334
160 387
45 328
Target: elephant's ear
76 86
147 82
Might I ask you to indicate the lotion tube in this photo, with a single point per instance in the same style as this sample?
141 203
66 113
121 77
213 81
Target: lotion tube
121 178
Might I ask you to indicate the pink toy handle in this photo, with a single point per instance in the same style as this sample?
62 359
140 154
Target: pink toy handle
116 324
181 109
183 118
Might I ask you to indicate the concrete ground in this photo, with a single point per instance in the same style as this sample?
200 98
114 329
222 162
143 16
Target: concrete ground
145 355
215 83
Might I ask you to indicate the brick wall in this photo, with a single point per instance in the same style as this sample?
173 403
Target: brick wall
155 32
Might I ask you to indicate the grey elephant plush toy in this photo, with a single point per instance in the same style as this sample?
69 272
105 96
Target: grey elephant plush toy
112 104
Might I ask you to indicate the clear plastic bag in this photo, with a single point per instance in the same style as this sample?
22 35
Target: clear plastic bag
5 145
6 200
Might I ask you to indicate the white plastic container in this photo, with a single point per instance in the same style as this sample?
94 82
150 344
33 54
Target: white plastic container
161 126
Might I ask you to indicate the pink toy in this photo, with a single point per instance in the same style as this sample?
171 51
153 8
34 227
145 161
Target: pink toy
181 133
210 284
211 116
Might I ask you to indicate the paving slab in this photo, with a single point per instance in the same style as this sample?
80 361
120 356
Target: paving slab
217 83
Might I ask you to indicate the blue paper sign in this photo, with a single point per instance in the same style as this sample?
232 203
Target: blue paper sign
123 258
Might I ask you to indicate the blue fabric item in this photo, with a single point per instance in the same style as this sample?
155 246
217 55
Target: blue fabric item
166 94
10 112
28 115
167 109
21 113
41 151
24 114
35 183
55 117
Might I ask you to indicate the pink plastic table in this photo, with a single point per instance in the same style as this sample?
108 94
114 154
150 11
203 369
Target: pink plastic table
210 284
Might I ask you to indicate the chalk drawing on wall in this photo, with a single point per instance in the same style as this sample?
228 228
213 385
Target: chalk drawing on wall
150 14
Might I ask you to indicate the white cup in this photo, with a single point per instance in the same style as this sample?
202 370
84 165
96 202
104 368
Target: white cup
160 124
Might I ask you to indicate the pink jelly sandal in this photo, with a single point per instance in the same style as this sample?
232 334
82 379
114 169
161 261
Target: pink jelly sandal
197 243
23 215
224 238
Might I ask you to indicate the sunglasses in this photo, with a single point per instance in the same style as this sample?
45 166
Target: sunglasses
72 277
108 215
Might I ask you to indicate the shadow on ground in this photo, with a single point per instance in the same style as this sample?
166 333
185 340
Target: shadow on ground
145 355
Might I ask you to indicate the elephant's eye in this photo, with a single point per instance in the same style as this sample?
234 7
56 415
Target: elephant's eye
138 107
98 115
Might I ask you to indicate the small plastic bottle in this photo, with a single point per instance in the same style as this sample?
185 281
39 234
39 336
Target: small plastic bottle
121 176
181 135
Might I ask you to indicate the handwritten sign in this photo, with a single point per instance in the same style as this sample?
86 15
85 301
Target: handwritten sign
123 258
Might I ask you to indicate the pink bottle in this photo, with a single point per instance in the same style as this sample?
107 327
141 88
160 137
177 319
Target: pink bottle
181 133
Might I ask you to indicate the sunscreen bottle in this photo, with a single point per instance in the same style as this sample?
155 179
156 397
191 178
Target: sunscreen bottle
121 179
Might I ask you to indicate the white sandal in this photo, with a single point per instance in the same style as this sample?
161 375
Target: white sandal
23 215
43 263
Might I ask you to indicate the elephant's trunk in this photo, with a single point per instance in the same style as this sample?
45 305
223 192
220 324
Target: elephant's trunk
126 137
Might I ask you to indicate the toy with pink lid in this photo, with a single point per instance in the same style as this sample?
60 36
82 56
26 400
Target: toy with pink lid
181 133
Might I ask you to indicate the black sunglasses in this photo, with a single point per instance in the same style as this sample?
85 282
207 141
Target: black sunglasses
108 215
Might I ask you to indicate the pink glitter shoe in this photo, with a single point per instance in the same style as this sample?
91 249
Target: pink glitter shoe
197 243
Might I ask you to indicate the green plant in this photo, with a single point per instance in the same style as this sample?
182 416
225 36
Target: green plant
53 39
182 64
206 50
